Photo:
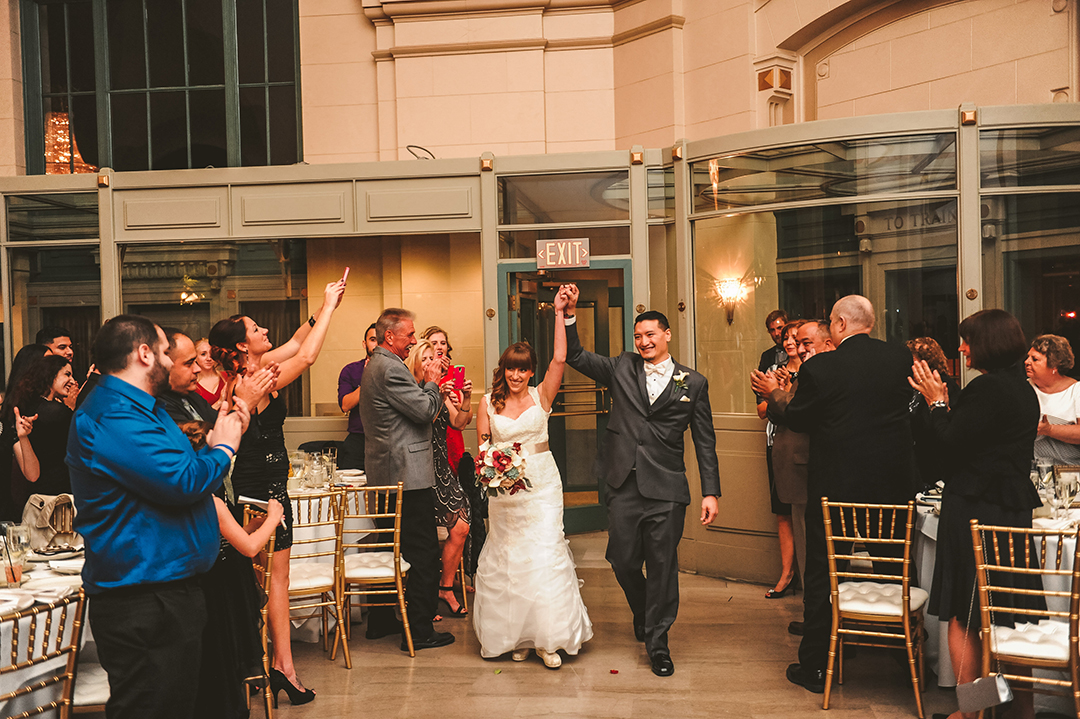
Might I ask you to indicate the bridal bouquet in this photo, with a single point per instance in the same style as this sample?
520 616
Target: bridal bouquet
500 468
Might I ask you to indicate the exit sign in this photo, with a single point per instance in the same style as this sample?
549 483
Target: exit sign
561 254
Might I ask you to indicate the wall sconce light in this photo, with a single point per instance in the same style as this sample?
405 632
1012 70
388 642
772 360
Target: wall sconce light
189 298
730 292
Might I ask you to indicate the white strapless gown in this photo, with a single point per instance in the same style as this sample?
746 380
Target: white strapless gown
527 590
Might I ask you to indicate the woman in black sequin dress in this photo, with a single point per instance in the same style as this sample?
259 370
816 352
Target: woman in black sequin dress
262 462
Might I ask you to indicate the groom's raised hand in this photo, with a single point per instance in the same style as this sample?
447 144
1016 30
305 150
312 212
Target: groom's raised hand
571 293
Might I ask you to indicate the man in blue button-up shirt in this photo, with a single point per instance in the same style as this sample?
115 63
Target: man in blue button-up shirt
147 515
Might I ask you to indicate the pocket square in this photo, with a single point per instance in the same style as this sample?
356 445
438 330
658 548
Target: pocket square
684 398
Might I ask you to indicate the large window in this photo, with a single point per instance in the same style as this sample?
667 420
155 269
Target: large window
1031 240
159 84
802 255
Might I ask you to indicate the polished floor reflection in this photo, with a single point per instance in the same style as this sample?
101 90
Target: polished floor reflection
730 646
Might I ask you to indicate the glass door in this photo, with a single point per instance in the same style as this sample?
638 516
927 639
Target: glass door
580 412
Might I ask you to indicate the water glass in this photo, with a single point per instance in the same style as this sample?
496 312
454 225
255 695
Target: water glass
1045 468
330 458
16 547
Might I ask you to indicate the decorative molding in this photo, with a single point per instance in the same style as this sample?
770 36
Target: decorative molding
578 43
671 22
460 48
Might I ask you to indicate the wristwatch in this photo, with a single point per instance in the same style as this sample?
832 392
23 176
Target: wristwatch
940 403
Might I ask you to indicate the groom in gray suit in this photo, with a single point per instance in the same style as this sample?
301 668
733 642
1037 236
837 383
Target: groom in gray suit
397 414
653 401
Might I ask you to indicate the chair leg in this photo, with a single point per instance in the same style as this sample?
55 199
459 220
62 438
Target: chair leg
325 625
405 621
913 669
832 662
840 659
342 624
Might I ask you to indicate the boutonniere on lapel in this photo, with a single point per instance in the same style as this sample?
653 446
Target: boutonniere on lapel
680 380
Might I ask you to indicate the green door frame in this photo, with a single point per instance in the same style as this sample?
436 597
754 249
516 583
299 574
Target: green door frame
591 517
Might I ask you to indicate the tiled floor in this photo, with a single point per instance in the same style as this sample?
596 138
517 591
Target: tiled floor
730 647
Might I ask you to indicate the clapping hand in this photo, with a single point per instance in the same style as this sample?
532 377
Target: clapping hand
230 425
783 378
763 382
253 387
928 383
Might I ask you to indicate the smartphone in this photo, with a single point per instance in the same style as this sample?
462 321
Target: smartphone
345 277
456 374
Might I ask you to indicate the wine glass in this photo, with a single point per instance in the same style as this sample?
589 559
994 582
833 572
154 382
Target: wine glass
1062 490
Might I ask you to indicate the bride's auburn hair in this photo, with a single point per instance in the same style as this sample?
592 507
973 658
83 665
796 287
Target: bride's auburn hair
519 355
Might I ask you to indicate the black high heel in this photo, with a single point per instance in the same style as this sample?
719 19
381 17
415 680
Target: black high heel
279 681
461 612
773 594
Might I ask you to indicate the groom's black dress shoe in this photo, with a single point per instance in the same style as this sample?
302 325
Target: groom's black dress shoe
810 679
795 628
437 639
662 666
639 632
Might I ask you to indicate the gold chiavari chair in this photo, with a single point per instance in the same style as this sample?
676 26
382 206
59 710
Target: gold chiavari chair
875 608
37 671
1014 568
263 564
315 565
378 569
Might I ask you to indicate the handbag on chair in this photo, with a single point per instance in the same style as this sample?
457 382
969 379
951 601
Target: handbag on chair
51 520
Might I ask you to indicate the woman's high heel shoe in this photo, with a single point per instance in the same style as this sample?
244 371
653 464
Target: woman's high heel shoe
279 681
451 612
773 594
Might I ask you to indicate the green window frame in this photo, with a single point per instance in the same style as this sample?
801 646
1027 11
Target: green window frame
172 86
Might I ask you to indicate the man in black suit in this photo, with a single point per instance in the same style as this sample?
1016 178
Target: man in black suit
775 355
853 402
654 399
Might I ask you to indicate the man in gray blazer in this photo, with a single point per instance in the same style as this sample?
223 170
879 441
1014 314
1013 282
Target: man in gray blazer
397 414
653 401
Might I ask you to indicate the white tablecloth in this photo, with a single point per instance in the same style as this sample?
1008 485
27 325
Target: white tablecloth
937 645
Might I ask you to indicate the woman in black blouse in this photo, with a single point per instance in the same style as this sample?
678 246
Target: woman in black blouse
988 431
41 392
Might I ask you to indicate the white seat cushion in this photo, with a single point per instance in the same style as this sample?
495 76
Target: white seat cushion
316 576
877 598
1045 640
91 685
368 566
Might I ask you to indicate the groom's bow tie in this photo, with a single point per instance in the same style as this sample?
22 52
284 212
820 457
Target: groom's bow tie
654 369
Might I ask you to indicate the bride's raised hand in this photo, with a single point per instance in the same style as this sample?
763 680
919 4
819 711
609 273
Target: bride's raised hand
561 300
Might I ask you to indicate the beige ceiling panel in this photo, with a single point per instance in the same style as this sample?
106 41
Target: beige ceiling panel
173 213
305 210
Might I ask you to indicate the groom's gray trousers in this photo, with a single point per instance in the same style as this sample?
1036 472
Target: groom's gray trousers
644 531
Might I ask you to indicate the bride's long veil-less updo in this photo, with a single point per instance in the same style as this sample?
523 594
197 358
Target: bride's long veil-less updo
519 355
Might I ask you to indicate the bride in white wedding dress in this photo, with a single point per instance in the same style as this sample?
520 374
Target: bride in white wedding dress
527 594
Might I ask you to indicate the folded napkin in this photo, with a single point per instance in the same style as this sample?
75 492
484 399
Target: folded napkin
52 594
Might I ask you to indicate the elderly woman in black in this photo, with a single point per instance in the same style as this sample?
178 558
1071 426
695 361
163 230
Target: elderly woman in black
988 430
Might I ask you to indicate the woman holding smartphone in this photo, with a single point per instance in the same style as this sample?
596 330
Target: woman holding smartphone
451 503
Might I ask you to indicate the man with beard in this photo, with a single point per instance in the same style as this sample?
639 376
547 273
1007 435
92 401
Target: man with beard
147 516
189 410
